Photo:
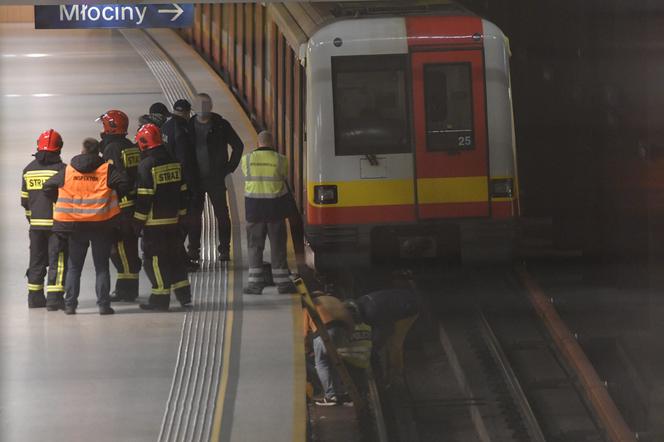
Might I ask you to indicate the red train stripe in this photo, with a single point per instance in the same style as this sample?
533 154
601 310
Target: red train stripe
502 209
360 215
454 210
443 31
403 213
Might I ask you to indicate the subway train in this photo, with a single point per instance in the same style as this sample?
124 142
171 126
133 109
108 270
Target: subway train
396 118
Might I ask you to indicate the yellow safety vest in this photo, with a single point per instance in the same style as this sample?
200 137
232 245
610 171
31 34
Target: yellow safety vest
265 174
358 350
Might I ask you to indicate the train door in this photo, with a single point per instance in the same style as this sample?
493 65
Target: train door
451 157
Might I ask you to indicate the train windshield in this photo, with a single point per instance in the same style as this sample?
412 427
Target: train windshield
370 105
449 113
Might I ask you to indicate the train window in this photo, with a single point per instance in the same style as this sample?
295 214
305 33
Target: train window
370 104
449 109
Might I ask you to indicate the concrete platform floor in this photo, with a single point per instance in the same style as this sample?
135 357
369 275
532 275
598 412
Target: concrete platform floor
68 378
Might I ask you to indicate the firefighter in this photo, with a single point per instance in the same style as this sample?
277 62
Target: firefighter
118 150
161 202
86 195
39 213
267 203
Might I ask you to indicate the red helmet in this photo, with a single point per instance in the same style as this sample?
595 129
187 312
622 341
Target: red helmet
148 137
115 122
49 141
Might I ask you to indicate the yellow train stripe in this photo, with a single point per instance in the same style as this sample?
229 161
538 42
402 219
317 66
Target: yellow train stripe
368 193
380 192
452 190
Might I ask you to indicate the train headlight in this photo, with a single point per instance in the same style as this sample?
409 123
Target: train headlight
325 194
502 188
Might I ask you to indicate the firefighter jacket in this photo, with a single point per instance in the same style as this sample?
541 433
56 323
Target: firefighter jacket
220 135
125 156
161 194
38 208
358 350
85 193
266 194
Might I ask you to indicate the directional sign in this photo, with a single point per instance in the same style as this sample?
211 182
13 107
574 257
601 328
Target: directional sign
168 15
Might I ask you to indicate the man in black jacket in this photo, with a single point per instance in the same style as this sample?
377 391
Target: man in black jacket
177 140
211 135
39 213
86 196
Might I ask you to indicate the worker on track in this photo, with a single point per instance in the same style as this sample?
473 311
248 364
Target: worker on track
267 203
39 213
338 322
118 150
160 204
211 134
87 205
390 313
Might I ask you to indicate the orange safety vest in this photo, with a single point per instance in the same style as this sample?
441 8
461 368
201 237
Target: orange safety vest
86 197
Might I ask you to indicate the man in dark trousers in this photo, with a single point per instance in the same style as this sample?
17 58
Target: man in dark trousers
161 202
39 213
119 151
267 203
211 135
87 205
176 137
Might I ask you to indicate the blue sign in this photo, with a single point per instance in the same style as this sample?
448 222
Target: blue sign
80 16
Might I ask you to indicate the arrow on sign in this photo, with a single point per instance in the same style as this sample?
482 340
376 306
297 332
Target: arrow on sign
177 11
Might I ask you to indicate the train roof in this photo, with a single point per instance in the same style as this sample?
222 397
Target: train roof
298 21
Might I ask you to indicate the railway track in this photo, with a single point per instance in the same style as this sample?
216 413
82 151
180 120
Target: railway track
481 367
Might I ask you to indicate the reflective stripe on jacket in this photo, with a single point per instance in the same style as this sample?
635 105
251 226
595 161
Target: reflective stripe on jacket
86 197
358 350
265 173
38 208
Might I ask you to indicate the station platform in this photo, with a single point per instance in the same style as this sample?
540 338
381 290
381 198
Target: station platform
230 369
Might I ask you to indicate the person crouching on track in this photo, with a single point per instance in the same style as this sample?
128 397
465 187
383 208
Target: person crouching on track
39 213
85 212
267 204
161 202
338 321
119 151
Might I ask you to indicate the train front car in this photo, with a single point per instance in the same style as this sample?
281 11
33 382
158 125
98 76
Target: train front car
410 141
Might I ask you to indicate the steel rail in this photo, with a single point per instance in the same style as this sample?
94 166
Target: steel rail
514 386
609 417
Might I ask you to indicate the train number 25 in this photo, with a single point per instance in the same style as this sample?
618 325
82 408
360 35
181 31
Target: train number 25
465 141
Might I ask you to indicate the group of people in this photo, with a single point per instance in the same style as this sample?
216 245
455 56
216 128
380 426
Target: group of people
152 188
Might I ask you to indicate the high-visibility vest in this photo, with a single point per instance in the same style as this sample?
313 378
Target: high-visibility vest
86 197
265 174
358 350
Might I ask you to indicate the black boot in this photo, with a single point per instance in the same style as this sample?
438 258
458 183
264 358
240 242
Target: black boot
106 310
54 302
157 302
36 299
126 290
